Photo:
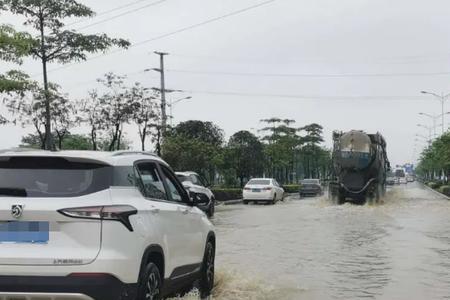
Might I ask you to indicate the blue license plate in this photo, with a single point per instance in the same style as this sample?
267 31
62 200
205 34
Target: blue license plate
24 232
256 190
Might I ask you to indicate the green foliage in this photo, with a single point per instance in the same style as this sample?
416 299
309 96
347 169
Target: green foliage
224 194
194 146
445 189
435 160
52 43
14 45
71 142
244 155
291 188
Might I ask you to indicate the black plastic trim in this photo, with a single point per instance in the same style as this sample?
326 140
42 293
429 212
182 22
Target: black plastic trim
103 287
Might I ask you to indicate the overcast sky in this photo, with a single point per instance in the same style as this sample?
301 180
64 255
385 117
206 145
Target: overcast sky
347 64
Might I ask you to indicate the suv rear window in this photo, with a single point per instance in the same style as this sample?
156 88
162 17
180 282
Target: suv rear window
51 177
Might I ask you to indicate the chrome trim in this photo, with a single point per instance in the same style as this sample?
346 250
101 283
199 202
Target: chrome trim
43 296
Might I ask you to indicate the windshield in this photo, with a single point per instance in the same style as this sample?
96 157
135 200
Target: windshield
183 178
51 177
310 181
259 182
400 173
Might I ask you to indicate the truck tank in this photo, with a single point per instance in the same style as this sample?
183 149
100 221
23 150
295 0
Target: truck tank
360 165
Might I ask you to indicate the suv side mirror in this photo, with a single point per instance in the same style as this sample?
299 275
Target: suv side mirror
198 198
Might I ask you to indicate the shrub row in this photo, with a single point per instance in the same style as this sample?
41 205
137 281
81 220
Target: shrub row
291 188
445 189
433 184
224 194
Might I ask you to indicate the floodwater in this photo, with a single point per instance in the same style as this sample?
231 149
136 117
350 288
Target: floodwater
312 249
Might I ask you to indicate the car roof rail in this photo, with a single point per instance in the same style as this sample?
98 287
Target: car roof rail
131 152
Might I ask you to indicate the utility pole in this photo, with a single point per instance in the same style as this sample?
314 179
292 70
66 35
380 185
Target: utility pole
163 92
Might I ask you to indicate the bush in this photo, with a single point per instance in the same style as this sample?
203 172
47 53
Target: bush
434 185
291 188
445 189
224 194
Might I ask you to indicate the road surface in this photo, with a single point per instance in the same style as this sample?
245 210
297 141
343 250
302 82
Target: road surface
311 249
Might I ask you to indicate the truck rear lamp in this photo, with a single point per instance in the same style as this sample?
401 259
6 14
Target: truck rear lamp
120 213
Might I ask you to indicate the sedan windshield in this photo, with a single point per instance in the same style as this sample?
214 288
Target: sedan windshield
310 181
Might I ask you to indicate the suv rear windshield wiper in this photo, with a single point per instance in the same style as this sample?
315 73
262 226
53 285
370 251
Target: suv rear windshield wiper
15 192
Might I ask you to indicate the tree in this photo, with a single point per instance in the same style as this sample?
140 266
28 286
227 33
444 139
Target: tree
434 163
146 116
13 47
194 146
63 117
70 142
117 106
245 155
54 43
29 109
311 150
282 143
91 114
206 132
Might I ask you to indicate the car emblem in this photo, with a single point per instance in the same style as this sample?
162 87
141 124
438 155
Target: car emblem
16 211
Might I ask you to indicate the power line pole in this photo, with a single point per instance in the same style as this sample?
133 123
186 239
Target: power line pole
163 92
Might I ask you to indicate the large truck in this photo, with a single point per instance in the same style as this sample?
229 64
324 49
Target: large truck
360 167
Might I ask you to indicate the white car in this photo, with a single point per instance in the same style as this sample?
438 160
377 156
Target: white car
194 183
99 226
262 190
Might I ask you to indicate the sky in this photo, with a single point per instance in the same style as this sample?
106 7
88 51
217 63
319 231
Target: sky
348 64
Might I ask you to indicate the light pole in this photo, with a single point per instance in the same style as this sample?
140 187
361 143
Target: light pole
423 138
441 98
434 118
430 131
171 107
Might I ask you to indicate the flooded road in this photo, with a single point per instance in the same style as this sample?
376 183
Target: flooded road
311 249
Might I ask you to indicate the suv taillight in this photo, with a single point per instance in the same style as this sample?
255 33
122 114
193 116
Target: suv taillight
120 213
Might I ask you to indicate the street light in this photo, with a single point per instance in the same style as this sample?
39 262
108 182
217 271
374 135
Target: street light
430 129
434 118
175 102
441 98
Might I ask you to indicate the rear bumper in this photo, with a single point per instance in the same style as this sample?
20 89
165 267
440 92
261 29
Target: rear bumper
105 287
310 192
261 196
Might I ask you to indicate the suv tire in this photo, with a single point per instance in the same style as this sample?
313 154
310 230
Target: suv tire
207 272
150 283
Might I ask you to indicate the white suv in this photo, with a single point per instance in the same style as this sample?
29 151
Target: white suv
98 225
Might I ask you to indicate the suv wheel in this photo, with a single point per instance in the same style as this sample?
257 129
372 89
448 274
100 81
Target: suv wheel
207 273
150 283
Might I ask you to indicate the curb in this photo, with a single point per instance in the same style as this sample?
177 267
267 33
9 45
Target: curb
229 202
436 192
